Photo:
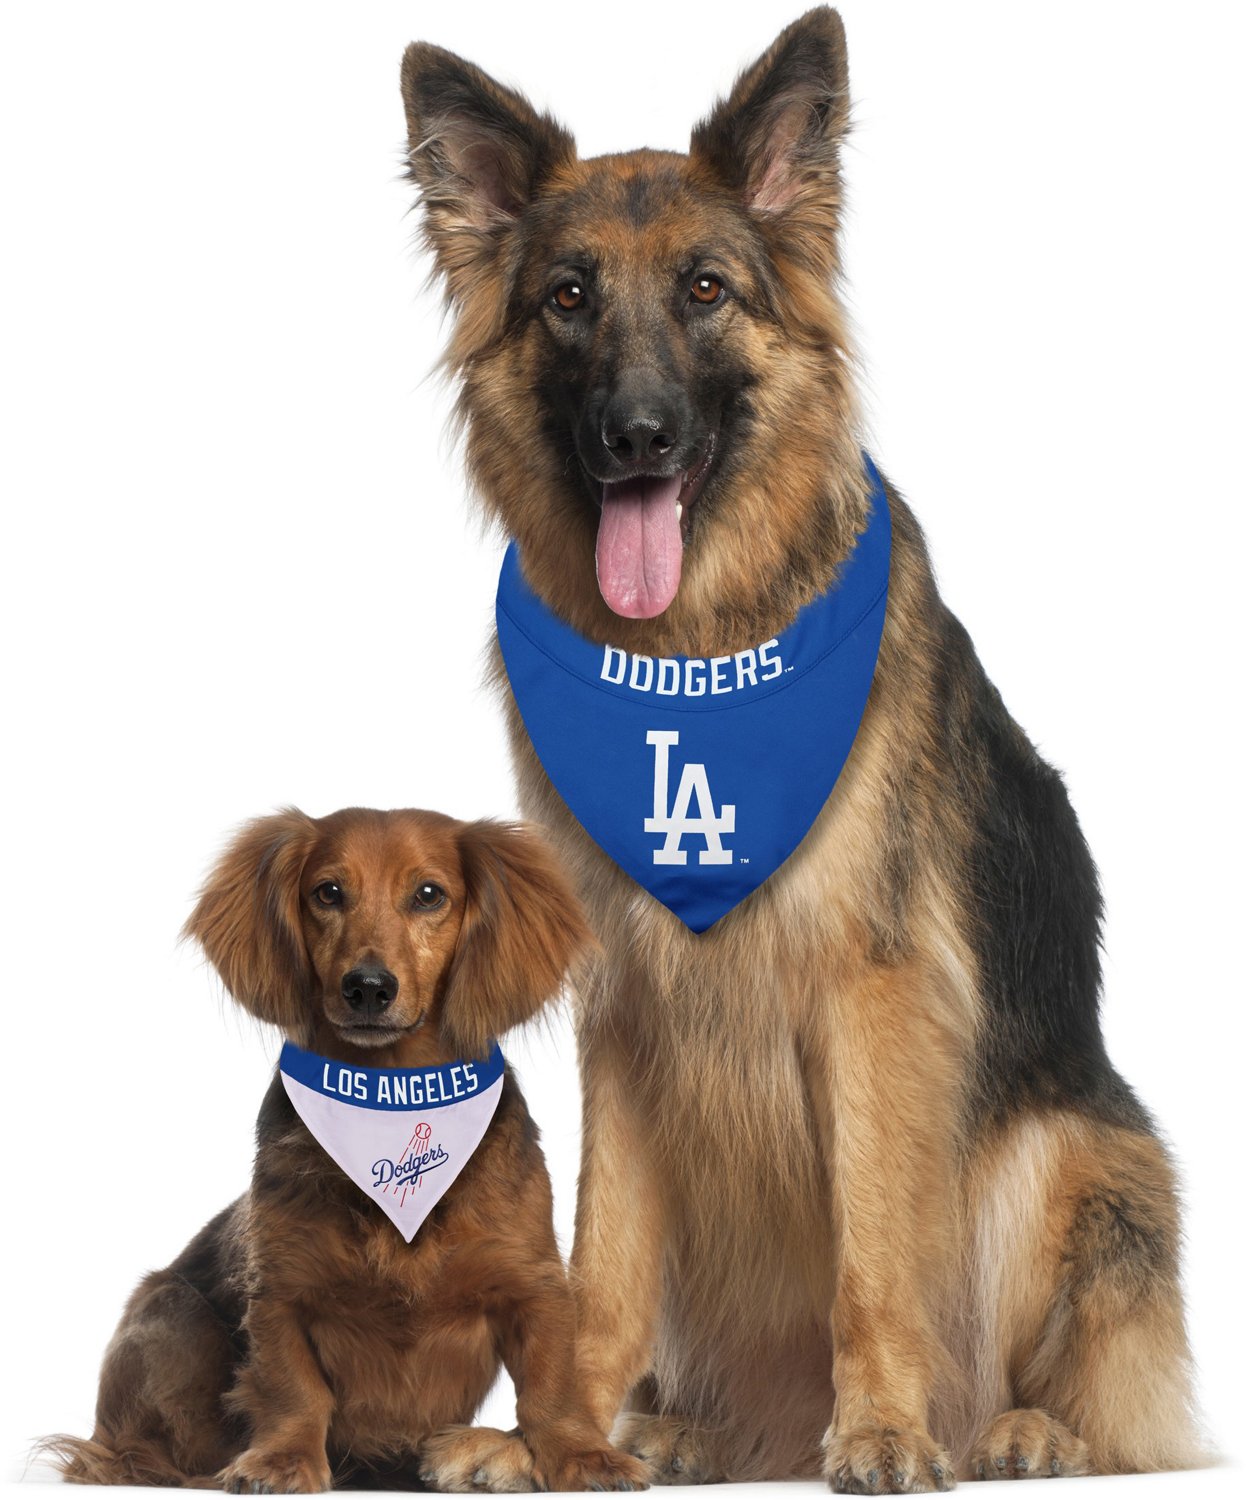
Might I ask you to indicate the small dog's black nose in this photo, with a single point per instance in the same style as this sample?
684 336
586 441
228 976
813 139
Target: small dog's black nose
636 432
369 989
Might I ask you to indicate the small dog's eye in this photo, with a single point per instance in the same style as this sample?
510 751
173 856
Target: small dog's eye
328 893
428 896
706 289
568 296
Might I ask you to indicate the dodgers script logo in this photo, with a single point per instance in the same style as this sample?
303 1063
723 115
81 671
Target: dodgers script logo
415 1158
675 821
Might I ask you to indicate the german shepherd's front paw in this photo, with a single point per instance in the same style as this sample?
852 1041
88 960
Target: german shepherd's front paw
264 1471
886 1461
603 1468
475 1461
1028 1444
673 1450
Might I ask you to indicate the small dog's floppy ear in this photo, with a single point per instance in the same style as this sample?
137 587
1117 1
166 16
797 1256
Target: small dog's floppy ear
478 152
523 927
776 138
247 917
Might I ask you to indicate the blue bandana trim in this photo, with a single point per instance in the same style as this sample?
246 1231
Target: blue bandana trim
391 1088
700 777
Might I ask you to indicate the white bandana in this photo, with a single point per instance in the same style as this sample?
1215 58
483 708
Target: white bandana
401 1134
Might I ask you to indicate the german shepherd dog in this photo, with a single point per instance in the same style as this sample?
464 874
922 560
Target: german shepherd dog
861 1193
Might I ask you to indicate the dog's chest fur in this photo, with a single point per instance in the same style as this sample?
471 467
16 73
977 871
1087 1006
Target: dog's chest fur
712 1030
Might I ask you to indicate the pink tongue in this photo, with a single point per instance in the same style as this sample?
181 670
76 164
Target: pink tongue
640 549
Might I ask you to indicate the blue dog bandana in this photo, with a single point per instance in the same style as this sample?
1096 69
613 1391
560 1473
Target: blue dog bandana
700 777
401 1134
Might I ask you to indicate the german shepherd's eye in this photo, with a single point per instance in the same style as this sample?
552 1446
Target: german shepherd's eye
328 893
569 296
707 290
428 897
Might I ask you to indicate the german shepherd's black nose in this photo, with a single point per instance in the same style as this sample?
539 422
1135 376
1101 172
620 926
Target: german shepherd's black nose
369 989
632 433
641 420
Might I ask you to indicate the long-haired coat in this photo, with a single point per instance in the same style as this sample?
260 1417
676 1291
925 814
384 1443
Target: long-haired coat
861 1191
299 1341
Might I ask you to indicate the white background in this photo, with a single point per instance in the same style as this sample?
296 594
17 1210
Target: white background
239 570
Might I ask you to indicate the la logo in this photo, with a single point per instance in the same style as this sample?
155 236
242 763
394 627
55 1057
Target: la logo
678 820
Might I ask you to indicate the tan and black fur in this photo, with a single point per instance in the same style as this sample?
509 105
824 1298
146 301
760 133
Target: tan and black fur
861 1192
299 1341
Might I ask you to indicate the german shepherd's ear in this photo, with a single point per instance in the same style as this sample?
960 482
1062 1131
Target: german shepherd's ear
523 927
477 152
247 917
776 138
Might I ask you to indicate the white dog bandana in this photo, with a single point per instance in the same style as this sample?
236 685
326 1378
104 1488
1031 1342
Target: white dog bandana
402 1135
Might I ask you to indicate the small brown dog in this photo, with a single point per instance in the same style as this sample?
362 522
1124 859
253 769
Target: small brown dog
299 1340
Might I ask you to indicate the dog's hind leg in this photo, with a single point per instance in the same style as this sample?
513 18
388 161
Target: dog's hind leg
158 1419
467 1460
672 1449
1089 1312
727 1410
675 1450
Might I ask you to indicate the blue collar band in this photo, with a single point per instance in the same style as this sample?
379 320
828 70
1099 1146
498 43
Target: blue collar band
391 1088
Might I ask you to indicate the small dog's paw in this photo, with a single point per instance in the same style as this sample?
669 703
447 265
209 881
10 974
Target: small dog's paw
261 1471
886 1461
475 1461
593 1469
1028 1444
672 1450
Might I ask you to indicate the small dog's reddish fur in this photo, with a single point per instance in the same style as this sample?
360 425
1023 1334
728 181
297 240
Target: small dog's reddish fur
298 1340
